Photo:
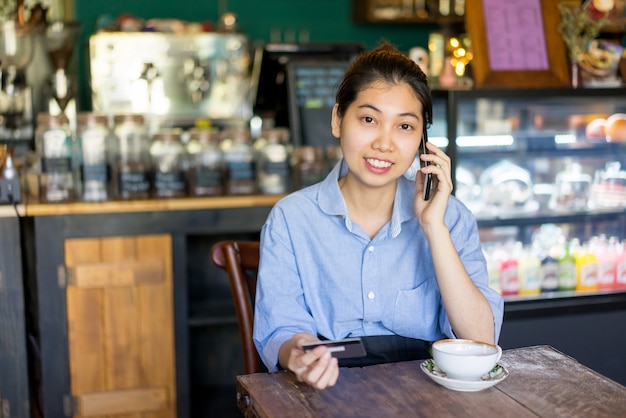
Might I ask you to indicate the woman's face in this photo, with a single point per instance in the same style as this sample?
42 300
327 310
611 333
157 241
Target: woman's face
380 132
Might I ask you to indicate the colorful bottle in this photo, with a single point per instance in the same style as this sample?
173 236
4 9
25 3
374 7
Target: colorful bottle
606 254
550 271
529 265
620 266
566 268
509 275
492 256
586 269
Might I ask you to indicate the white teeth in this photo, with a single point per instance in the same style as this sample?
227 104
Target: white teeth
378 163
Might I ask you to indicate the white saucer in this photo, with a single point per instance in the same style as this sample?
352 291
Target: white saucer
495 376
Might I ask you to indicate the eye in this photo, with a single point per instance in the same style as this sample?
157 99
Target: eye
368 119
406 127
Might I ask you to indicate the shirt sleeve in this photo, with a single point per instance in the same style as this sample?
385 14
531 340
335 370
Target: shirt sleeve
280 309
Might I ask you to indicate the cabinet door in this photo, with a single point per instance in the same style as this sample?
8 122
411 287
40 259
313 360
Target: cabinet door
120 326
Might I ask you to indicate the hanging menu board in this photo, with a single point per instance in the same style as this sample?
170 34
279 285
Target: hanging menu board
516 43
515 35
312 86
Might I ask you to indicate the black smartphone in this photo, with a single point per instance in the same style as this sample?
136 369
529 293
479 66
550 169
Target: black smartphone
428 179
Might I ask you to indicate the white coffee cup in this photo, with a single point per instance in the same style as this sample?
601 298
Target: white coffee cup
465 359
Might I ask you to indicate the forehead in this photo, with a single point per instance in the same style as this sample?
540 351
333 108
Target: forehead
400 93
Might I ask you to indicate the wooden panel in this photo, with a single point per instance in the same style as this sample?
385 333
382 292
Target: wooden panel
120 312
155 307
122 273
84 322
121 402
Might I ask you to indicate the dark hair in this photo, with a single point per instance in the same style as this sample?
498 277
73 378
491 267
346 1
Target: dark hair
385 63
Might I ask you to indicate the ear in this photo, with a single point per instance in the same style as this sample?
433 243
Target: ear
335 123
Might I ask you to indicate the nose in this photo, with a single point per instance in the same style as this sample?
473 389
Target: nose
383 141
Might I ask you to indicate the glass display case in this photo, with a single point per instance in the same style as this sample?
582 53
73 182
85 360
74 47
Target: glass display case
524 158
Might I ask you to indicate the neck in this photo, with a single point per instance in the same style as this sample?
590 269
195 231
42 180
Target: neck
369 207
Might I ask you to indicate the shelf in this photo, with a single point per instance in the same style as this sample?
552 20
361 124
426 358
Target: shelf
544 217
377 12
564 303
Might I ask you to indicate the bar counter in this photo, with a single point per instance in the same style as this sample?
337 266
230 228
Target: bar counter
572 323
34 208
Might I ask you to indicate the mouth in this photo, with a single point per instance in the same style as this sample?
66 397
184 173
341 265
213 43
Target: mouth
378 163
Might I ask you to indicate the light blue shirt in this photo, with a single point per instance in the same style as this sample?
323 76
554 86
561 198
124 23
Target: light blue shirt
320 273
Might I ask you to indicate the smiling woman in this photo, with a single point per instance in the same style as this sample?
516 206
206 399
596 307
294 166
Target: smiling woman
363 253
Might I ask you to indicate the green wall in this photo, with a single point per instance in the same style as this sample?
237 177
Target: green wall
324 20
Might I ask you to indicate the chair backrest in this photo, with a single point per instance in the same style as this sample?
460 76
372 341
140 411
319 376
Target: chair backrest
240 260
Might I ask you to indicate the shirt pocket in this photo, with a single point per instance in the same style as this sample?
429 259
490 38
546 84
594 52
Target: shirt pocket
415 313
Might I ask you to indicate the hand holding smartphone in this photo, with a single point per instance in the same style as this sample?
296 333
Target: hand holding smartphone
428 179
418 163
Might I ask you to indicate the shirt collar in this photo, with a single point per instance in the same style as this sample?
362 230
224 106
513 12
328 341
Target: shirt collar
331 200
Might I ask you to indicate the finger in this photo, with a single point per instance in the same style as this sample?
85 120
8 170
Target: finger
317 369
330 375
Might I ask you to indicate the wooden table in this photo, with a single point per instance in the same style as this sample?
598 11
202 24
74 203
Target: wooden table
542 382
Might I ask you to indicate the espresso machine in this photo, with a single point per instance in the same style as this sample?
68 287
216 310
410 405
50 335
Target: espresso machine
16 105
175 78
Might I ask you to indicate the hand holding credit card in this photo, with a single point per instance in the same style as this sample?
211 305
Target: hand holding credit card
346 348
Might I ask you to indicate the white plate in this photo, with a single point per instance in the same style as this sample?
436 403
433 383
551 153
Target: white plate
495 376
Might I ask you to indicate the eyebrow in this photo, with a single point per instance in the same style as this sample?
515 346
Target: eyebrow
374 108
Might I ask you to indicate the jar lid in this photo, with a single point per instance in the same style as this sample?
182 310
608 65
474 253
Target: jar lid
46 119
168 135
91 118
239 135
204 134
128 117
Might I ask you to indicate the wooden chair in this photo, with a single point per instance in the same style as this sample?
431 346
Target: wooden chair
240 260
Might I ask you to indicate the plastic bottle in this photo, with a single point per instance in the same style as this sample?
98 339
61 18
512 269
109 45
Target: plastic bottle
549 271
492 256
529 265
606 254
620 266
566 267
586 269
509 274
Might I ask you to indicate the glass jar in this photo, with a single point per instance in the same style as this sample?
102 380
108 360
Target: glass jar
93 142
206 162
273 175
309 166
571 189
54 145
239 160
131 155
168 158
609 187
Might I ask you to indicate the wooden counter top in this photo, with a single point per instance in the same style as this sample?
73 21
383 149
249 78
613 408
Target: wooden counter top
9 211
149 205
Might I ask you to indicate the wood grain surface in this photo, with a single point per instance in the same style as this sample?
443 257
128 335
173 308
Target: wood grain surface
542 382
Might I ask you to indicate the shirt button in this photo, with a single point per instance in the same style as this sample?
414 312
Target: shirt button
371 249
370 295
